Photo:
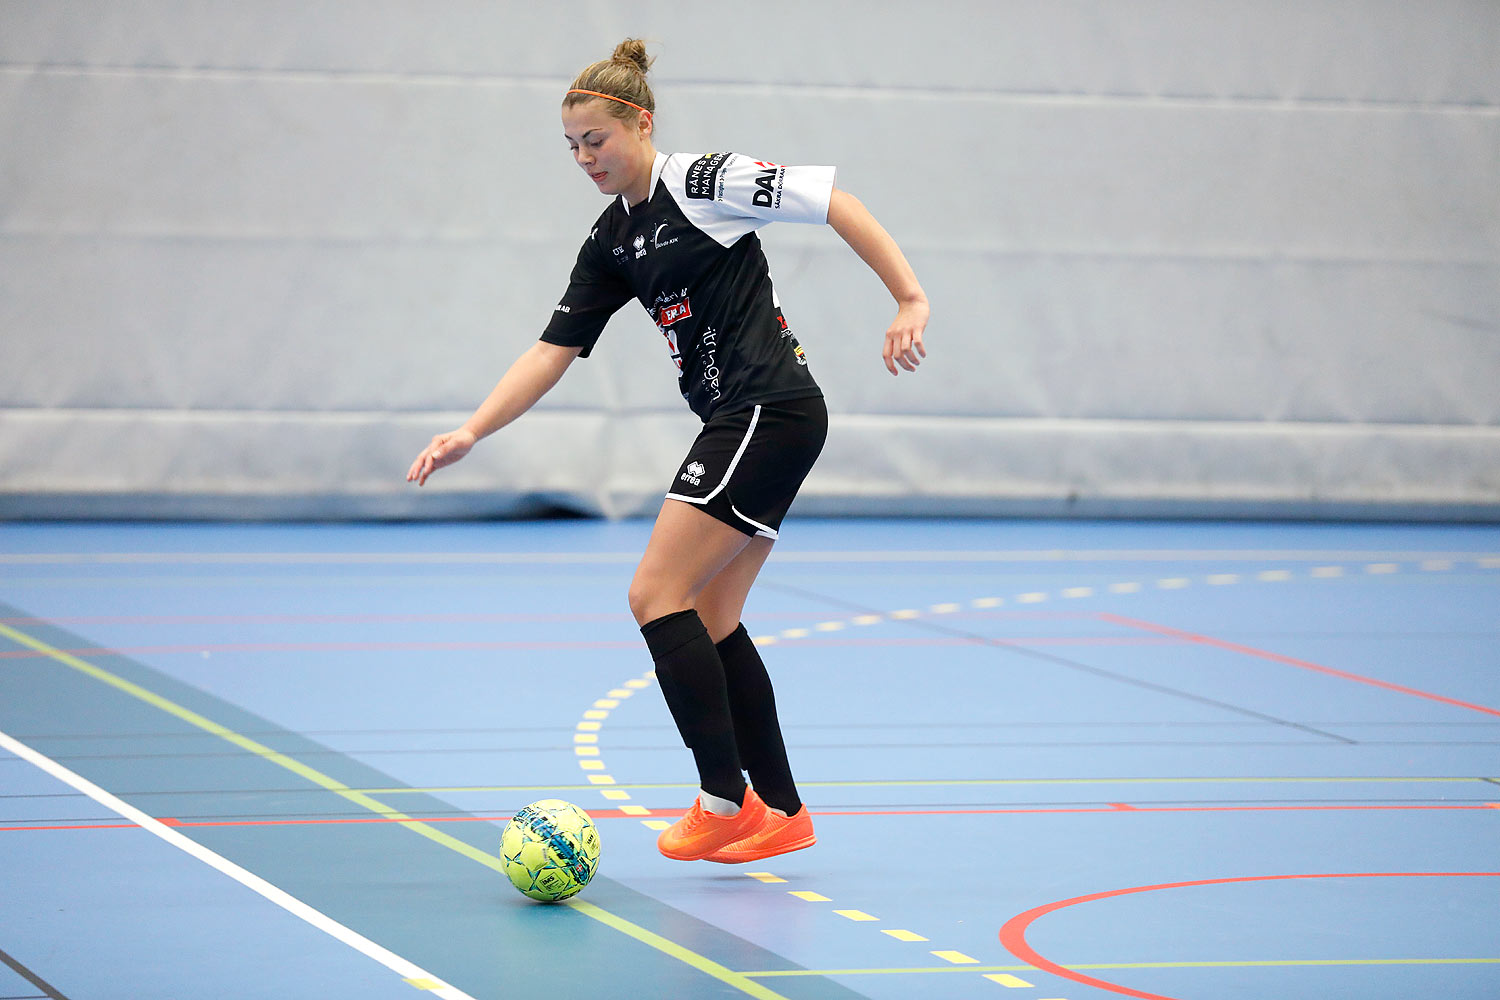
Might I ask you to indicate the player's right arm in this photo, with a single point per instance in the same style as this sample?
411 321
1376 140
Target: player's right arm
528 380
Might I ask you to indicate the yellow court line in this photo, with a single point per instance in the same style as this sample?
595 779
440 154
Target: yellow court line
1270 963
362 798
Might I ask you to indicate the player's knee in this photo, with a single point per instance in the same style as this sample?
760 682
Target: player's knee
639 600
648 602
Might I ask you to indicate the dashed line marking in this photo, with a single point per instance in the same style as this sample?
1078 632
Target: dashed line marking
1124 588
987 602
766 877
811 897
956 957
905 614
944 609
1006 979
901 935
1327 572
1076 592
1378 569
868 619
1174 583
1221 579
655 824
1274 575
1036 597
830 626
856 915
635 810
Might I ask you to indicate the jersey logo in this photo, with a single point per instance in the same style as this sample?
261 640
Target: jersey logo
640 247
657 242
673 313
694 473
769 179
702 179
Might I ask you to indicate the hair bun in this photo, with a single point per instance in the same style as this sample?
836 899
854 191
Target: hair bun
633 51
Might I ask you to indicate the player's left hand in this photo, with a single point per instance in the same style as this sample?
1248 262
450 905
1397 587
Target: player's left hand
903 341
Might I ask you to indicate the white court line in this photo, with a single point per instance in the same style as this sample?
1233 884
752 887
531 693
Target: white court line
413 974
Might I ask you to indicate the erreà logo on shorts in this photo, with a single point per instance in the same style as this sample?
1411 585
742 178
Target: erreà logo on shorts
694 473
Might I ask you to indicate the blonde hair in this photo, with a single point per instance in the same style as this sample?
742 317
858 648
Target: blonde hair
622 76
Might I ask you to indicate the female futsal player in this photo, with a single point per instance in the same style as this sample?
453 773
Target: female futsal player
679 237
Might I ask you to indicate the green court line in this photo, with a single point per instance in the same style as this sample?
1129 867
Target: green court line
362 798
1273 963
943 783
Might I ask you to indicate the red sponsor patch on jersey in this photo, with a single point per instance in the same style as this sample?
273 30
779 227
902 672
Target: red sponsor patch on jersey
672 313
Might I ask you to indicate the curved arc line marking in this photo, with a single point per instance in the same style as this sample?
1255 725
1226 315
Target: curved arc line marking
1013 934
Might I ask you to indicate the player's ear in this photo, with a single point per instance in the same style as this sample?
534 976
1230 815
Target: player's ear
645 125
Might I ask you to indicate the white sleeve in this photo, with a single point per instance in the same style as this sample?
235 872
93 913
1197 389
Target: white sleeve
733 186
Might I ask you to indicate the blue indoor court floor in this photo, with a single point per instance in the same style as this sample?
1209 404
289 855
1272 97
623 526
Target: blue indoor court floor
1048 760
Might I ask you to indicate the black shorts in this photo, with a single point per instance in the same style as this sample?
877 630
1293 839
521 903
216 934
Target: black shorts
747 466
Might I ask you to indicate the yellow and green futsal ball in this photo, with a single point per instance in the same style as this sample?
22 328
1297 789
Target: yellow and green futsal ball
550 850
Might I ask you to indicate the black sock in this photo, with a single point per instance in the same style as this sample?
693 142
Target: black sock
757 731
692 681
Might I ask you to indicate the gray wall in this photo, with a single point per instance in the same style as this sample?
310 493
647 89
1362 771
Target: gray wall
1183 255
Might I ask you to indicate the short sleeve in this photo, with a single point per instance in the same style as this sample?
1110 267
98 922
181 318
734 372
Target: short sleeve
595 292
760 189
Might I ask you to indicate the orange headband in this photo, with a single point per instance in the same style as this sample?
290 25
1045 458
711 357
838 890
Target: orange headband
610 97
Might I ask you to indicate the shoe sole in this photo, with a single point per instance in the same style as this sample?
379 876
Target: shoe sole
745 857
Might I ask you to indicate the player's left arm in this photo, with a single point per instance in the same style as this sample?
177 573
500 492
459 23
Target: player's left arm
858 228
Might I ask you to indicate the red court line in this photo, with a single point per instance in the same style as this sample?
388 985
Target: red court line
1291 661
1111 808
1013 934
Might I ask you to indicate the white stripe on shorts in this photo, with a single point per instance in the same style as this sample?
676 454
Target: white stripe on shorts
761 529
744 443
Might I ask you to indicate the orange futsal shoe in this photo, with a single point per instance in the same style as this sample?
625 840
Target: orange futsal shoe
700 833
777 834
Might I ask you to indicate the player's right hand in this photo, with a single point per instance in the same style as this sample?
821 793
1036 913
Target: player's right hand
443 450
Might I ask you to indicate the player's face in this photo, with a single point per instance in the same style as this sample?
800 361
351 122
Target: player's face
617 155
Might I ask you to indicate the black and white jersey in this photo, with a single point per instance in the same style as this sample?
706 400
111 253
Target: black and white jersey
690 255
